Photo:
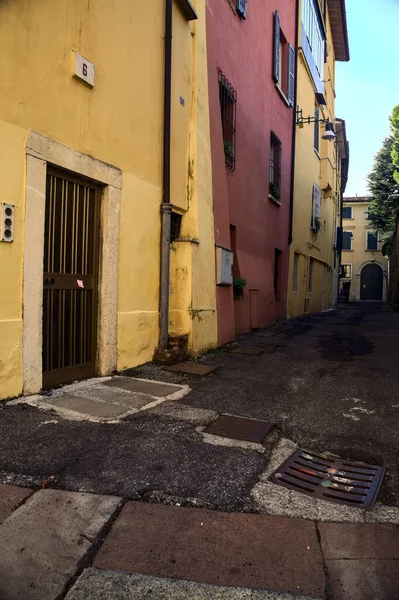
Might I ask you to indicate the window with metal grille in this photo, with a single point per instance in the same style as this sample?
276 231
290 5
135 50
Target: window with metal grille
275 166
346 271
175 226
228 101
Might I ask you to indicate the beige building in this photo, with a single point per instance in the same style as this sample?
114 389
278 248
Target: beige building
363 264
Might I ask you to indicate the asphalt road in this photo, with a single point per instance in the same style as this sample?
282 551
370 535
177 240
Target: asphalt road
329 382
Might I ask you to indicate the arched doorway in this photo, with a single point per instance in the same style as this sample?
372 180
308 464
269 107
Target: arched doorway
371 282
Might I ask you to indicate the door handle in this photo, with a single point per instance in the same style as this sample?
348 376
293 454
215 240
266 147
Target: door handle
48 281
52 281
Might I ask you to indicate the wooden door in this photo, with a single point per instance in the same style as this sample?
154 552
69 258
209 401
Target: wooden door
371 282
70 284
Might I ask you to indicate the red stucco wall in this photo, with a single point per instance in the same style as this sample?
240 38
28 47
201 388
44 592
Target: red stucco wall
243 50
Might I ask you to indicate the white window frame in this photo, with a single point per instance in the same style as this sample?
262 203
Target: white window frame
314 34
347 218
367 241
351 267
347 249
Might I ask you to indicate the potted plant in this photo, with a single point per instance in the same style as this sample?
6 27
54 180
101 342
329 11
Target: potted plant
229 151
316 225
239 284
274 191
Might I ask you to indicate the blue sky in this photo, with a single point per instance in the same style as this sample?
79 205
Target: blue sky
367 86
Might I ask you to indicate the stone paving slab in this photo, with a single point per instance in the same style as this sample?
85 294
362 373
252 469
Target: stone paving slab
44 541
152 388
352 541
95 584
192 368
363 579
10 498
87 406
242 550
113 395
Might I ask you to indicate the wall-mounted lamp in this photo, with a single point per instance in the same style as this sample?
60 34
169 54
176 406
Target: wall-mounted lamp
329 133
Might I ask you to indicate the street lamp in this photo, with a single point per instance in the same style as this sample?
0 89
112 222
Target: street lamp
329 133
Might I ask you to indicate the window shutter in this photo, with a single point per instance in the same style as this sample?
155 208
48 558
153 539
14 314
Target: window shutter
276 48
291 75
316 204
242 8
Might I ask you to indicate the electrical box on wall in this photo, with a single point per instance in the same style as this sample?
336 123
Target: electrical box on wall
224 264
7 222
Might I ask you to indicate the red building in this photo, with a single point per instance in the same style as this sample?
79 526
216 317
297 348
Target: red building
251 66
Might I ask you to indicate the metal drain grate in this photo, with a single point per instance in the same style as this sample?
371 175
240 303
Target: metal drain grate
351 483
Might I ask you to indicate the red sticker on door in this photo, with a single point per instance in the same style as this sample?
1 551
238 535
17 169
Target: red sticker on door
80 283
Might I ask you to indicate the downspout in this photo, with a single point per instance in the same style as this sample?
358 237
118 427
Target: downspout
291 218
166 207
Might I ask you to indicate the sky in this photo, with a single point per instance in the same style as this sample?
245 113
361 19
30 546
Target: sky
367 87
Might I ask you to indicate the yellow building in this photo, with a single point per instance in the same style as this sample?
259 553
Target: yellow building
363 264
82 117
320 164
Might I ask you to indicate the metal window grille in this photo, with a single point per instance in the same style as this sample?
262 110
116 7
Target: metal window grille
275 161
228 102
175 226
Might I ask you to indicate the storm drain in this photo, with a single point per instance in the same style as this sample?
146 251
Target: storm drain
239 428
351 483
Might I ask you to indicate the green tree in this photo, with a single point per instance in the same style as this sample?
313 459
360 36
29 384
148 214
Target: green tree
384 193
394 120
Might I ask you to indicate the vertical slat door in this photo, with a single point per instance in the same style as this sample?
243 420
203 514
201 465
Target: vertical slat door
70 279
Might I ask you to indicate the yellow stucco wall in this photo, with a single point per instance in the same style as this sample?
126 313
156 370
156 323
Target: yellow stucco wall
320 168
359 256
120 122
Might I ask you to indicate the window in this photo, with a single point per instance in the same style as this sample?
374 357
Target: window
315 223
310 275
295 273
346 271
175 226
347 212
228 101
316 128
275 166
283 62
372 240
347 240
313 41
277 259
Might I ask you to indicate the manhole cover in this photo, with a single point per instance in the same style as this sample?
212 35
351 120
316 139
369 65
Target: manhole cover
239 428
191 368
352 483
250 351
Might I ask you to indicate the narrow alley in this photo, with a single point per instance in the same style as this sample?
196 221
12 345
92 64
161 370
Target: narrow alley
328 383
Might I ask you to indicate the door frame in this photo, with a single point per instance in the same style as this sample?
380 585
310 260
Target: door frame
41 152
384 279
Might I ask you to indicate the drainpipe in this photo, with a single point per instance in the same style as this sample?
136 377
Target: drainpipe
166 207
294 125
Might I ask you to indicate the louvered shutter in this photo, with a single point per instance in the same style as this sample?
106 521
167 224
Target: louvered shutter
276 48
316 204
291 75
242 8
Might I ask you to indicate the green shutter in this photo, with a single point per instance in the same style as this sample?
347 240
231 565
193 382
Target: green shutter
276 48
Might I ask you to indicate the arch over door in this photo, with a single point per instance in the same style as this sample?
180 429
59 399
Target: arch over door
371 282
